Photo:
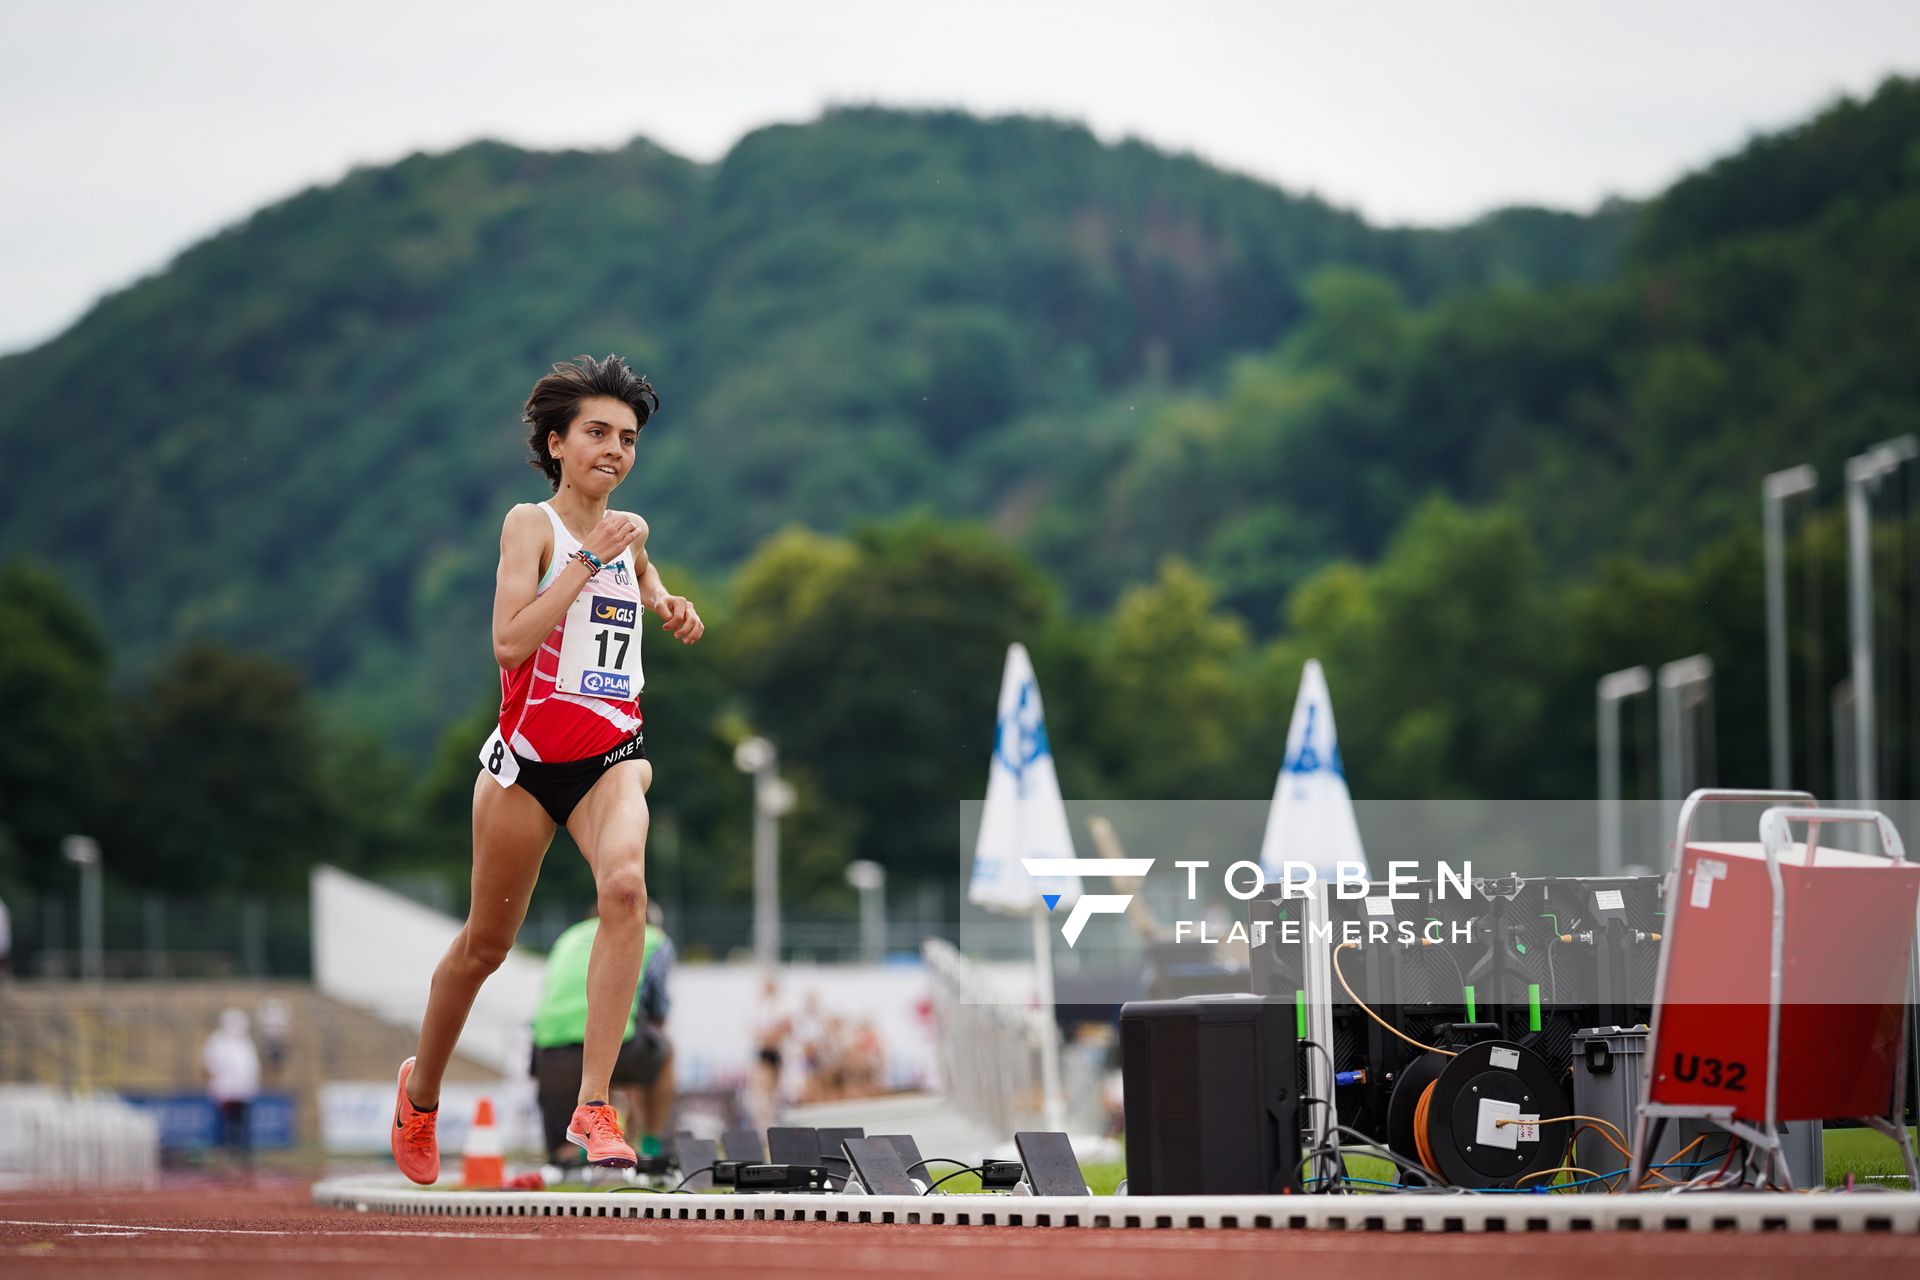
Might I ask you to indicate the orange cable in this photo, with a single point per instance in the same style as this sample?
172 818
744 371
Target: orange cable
1565 1168
1371 1014
1420 1144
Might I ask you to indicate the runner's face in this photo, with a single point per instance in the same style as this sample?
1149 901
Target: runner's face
597 451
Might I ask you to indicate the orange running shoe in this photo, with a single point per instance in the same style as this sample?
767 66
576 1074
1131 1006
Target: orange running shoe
415 1148
596 1128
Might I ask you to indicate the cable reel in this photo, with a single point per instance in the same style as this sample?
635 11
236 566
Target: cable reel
1447 1112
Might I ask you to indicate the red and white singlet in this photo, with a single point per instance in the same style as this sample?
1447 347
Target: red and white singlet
578 695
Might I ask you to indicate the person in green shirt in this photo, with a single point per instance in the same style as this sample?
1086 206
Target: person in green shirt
560 1028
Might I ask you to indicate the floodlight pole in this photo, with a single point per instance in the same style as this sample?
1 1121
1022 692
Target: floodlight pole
1846 781
772 796
1613 689
84 852
870 879
1774 492
1052 1090
1864 473
1684 684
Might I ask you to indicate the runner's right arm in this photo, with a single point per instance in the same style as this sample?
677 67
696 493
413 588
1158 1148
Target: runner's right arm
522 616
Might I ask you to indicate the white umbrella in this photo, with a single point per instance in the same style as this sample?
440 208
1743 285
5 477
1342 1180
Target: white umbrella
1311 821
1025 818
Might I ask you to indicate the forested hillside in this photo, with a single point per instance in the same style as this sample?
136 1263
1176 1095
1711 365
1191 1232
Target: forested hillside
933 384
1764 318
304 432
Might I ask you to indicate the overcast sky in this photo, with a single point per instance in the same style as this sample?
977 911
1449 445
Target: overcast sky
129 130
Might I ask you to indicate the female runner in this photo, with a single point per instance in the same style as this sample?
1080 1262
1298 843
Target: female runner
568 749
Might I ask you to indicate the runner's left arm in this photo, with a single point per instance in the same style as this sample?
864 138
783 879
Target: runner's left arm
676 613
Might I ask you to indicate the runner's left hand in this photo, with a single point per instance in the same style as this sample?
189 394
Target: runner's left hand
678 615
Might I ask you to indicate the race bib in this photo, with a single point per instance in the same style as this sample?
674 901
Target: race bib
600 648
498 759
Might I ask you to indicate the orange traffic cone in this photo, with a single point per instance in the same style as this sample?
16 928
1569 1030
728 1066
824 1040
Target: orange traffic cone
485 1165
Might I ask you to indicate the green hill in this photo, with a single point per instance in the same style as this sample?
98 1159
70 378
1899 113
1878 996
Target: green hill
1200 430
301 435
1764 318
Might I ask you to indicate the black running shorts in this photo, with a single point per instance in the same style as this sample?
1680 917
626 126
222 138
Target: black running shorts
560 786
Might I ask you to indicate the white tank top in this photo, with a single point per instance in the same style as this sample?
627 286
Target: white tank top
578 693
600 635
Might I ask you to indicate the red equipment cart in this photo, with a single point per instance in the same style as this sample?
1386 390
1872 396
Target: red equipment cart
1783 985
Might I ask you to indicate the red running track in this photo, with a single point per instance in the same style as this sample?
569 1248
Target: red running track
271 1229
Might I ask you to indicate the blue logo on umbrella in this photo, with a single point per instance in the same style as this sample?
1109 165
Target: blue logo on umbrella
1020 739
1308 759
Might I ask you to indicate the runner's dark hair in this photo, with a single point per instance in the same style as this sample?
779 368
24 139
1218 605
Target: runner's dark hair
557 396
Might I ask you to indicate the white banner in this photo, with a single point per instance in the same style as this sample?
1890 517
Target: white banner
1024 816
356 1117
1311 819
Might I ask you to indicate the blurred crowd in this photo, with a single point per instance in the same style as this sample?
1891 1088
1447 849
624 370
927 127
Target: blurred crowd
806 1053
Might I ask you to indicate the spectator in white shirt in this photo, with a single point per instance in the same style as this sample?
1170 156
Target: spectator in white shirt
232 1067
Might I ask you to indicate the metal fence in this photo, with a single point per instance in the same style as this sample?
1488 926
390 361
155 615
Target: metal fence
172 937
162 936
989 1050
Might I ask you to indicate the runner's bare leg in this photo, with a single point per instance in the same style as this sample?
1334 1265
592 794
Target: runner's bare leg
511 833
610 826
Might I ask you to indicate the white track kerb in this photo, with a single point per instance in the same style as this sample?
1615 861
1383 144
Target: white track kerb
1891 1211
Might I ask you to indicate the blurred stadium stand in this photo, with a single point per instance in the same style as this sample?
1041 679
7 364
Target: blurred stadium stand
145 1038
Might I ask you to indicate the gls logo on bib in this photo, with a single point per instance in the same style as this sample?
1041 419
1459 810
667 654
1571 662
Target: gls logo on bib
619 613
606 684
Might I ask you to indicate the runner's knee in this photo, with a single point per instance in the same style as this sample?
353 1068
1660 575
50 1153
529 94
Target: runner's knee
623 892
484 955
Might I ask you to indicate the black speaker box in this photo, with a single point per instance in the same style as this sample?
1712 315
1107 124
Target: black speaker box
1211 1102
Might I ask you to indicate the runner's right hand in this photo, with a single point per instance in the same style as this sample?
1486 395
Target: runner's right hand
615 533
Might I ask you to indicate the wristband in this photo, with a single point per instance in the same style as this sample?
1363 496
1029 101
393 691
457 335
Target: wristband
590 560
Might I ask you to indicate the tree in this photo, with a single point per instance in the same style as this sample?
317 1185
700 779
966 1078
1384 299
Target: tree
879 679
227 786
1170 670
60 744
1439 656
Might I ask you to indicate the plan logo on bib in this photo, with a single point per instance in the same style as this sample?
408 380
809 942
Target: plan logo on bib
606 684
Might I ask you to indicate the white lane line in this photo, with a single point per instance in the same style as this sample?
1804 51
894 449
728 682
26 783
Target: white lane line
134 1229
141 1227
137 1228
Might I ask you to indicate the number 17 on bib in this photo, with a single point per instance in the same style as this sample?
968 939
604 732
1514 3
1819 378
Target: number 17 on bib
600 649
